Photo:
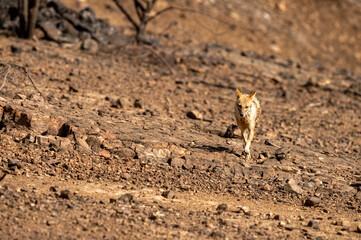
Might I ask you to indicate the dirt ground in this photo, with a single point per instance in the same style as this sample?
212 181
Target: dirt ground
129 142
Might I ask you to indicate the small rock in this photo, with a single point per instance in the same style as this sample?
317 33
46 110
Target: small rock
138 103
120 103
343 223
217 234
125 153
282 153
90 45
125 176
168 194
289 227
152 217
244 209
54 188
51 222
20 96
65 194
230 131
358 229
356 184
291 186
222 207
112 200
16 49
312 201
194 114
177 162
104 153
15 163
314 224
126 198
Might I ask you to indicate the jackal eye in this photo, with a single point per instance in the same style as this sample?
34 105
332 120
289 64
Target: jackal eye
239 106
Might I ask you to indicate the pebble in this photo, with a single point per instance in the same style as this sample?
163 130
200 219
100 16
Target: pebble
169 194
194 114
222 207
90 45
312 201
65 194
54 188
177 162
138 103
126 198
358 229
314 224
291 186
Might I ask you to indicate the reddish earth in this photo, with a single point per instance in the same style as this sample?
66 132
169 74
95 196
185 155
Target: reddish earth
128 142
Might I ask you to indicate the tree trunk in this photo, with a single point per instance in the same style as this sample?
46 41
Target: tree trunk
23 15
28 14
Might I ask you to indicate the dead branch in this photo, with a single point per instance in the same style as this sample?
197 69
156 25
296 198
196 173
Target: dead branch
143 9
24 70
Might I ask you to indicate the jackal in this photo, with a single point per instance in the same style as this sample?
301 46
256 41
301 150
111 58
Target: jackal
247 113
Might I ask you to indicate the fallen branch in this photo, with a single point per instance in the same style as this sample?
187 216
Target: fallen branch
21 68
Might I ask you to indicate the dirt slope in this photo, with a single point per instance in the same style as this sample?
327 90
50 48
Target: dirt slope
111 150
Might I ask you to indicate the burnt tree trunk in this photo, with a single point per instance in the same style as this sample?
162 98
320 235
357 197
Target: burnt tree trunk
28 14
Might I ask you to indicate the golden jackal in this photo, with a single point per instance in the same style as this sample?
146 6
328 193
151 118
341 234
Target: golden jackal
247 114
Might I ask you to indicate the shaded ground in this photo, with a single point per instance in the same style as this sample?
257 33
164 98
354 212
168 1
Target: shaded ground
113 130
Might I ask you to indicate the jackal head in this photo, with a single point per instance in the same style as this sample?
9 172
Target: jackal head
244 103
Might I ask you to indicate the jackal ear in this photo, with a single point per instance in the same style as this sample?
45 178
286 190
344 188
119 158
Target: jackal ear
252 95
239 93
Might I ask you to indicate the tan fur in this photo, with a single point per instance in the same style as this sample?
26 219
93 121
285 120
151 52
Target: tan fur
248 106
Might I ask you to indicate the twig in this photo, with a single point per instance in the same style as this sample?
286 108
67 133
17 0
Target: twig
127 15
25 71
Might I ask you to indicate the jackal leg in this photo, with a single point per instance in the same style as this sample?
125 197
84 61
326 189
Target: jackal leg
244 135
248 142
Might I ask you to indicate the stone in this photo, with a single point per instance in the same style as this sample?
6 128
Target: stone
65 194
54 188
312 201
222 207
291 186
356 184
358 228
20 96
177 162
138 103
125 153
282 153
244 209
104 153
230 131
65 130
15 163
90 45
16 49
168 194
194 114
126 198
314 224
119 103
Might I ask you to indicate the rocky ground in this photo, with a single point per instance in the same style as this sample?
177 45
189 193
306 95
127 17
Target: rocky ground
128 142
